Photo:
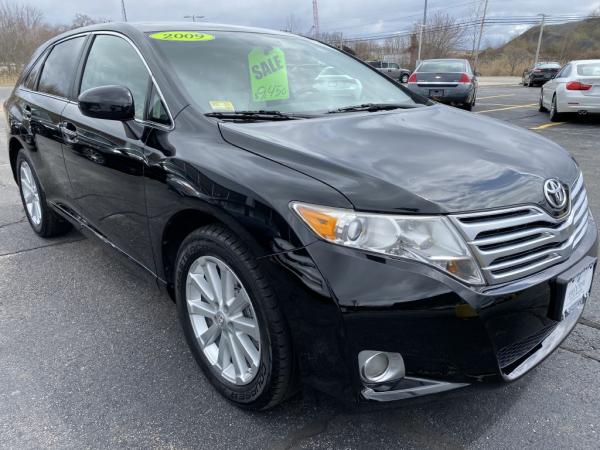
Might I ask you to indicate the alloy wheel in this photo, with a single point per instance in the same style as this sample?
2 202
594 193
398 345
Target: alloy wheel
30 194
224 321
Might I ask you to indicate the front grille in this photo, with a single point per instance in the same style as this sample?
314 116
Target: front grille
516 242
513 352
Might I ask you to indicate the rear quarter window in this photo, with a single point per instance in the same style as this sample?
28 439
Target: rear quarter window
31 80
59 68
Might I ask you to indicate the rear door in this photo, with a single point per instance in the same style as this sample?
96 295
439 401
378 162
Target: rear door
41 101
105 158
394 70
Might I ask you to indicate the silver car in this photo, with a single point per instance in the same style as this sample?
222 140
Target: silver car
575 89
450 81
391 69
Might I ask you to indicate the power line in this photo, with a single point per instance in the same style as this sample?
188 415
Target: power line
492 21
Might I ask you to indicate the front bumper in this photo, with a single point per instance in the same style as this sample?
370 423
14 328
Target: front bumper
449 334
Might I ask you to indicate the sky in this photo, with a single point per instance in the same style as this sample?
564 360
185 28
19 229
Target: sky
352 17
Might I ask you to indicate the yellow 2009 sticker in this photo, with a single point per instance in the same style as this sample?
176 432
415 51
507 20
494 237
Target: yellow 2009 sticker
185 36
268 75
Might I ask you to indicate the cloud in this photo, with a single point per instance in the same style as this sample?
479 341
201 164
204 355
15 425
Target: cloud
352 17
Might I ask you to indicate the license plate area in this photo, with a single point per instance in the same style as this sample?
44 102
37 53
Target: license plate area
572 289
578 289
436 93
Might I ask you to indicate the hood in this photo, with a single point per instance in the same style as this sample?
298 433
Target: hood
429 160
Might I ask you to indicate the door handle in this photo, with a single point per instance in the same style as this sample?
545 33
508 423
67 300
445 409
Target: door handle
69 132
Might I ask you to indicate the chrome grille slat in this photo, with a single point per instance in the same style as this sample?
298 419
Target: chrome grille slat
511 243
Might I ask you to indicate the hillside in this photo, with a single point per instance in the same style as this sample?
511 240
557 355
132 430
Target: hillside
564 42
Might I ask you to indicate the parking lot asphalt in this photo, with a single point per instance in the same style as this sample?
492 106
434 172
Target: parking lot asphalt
93 357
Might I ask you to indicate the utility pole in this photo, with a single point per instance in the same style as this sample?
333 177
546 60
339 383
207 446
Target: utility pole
421 33
123 12
316 30
476 61
537 52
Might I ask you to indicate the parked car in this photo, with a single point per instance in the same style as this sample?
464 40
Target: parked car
392 70
575 89
540 73
377 251
449 81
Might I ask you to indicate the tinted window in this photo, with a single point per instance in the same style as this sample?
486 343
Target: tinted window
589 70
394 66
59 68
113 60
31 81
376 64
442 66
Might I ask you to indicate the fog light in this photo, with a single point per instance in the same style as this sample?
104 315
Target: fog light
375 366
380 367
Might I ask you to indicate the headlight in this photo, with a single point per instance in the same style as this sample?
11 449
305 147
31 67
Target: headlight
429 239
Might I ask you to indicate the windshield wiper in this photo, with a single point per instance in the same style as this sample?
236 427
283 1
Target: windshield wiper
372 107
253 115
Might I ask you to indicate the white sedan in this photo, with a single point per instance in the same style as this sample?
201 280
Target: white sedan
576 88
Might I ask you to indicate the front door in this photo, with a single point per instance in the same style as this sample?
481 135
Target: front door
105 158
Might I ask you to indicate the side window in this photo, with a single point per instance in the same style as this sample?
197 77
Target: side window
565 72
59 69
394 66
31 81
157 112
113 60
384 65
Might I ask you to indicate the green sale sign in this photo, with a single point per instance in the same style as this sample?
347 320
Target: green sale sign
268 75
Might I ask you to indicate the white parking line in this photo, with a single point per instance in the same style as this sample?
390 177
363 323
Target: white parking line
495 96
508 107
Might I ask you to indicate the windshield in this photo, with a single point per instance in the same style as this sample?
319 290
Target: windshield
442 66
226 71
589 70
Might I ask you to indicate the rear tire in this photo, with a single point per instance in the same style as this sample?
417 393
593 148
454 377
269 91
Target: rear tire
404 78
542 108
257 379
42 218
555 116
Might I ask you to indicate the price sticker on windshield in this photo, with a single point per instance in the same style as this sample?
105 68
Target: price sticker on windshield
268 75
182 36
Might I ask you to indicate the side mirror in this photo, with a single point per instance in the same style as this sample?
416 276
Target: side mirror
107 102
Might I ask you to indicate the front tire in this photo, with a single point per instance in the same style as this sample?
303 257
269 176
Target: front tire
231 319
43 220
404 78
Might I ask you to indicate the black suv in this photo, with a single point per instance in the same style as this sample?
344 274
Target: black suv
313 220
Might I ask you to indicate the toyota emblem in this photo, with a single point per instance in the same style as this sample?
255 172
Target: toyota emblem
555 194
